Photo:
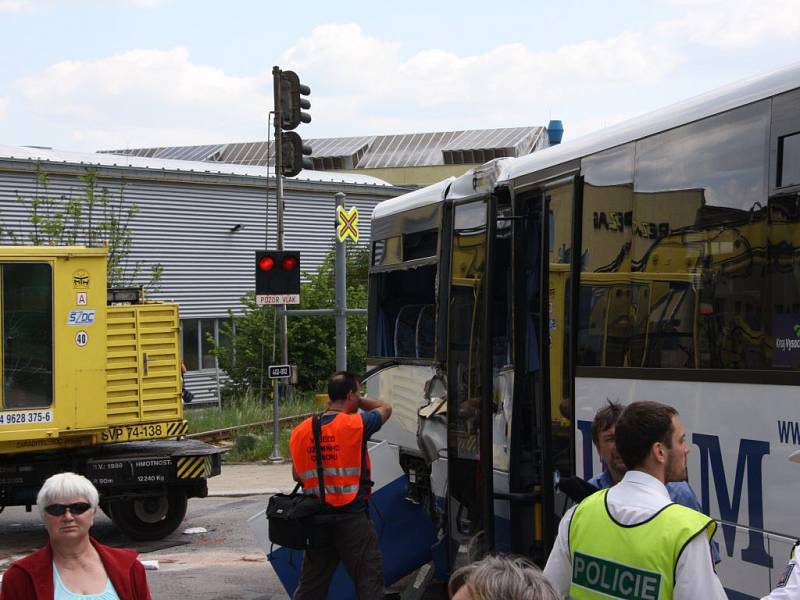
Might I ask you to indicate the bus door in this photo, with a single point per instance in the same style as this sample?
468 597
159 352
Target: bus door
470 381
544 269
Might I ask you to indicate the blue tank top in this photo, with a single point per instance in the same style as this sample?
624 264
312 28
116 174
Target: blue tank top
62 593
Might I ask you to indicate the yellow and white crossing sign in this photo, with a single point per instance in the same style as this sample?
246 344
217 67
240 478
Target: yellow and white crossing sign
348 223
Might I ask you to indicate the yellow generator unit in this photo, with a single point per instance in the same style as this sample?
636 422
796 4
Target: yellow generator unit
91 382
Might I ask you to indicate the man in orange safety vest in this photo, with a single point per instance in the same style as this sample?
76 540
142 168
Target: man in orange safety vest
346 484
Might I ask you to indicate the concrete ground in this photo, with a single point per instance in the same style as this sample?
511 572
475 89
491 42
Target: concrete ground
251 479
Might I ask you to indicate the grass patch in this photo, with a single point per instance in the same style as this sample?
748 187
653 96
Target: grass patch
262 450
242 411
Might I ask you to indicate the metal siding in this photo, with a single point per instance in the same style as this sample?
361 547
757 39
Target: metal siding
186 228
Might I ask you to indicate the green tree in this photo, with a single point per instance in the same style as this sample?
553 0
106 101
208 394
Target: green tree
93 217
312 340
251 348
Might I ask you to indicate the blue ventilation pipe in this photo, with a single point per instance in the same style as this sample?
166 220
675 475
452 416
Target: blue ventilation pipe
555 131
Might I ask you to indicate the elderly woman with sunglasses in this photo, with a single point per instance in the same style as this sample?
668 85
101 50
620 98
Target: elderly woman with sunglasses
73 566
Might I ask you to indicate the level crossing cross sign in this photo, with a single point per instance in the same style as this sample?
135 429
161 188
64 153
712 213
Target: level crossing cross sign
348 223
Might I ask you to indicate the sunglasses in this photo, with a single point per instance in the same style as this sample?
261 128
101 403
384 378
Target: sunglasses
76 508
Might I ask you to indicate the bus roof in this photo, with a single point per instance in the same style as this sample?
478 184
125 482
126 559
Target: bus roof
431 194
687 111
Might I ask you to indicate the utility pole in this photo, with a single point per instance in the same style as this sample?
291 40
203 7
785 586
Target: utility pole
288 96
341 296
282 325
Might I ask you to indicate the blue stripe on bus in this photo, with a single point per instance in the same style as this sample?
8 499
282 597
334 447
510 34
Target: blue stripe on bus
734 595
405 534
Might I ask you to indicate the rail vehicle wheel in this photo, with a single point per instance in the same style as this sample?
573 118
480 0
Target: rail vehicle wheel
150 517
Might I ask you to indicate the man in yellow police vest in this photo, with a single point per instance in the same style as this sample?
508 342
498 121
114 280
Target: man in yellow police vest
347 484
631 541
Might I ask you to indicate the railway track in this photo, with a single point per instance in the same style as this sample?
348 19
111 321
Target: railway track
219 435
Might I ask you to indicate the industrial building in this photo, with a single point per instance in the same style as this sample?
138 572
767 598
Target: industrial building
201 222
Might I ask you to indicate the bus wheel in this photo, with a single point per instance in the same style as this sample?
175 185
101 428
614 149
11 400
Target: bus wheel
151 517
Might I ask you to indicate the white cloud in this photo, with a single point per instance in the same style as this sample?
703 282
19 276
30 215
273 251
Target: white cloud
735 23
507 85
18 6
3 107
140 90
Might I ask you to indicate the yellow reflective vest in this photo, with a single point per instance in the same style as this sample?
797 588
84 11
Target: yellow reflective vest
630 562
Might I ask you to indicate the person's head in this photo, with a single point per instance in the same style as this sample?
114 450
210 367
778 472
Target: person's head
344 391
603 432
650 437
500 578
67 503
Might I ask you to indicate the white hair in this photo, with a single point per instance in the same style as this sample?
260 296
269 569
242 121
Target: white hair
503 578
66 485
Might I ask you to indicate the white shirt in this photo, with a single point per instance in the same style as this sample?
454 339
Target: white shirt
788 587
633 500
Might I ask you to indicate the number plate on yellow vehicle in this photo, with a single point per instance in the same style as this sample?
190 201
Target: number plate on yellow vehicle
25 417
124 433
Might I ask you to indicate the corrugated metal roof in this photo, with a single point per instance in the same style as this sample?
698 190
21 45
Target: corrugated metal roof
372 152
138 159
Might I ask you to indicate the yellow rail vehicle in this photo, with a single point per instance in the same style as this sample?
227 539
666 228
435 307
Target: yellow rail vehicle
90 382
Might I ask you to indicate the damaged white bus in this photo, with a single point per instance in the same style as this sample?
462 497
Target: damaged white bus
653 260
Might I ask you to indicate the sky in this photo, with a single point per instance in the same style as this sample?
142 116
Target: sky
86 75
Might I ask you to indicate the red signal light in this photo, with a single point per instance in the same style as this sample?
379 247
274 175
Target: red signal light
266 263
289 263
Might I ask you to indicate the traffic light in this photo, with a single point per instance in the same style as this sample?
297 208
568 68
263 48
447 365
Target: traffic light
277 273
294 152
292 101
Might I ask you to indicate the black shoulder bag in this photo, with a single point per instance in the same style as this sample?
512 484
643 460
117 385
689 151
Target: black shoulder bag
291 516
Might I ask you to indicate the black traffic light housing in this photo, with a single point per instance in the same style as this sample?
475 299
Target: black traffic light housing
277 272
294 152
292 101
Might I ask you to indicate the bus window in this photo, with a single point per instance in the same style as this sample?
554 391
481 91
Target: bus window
607 220
784 273
591 325
402 319
387 252
640 306
789 152
560 224
27 297
619 326
671 325
421 244
466 335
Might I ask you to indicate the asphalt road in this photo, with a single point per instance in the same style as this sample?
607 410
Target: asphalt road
224 563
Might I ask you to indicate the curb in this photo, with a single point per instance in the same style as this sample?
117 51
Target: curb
242 494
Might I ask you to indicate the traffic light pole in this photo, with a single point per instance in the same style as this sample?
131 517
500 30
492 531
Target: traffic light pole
341 296
282 324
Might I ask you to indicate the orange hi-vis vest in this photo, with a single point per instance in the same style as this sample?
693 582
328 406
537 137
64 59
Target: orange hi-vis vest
341 446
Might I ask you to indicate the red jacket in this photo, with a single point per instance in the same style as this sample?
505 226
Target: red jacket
31 578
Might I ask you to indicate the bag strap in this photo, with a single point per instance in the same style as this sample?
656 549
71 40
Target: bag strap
317 427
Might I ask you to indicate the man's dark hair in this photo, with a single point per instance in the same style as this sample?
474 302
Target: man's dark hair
641 425
340 384
604 418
